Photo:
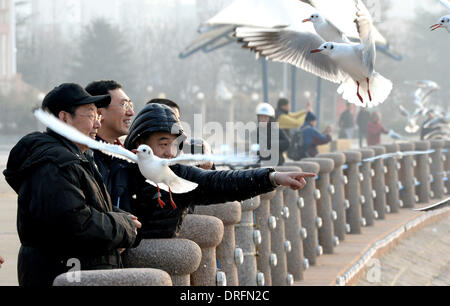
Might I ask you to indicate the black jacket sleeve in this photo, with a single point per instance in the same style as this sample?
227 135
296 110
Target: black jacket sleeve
223 186
77 225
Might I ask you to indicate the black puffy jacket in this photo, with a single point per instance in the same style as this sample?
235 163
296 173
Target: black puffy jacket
64 210
214 187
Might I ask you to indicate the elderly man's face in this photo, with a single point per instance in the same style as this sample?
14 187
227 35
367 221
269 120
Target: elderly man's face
86 120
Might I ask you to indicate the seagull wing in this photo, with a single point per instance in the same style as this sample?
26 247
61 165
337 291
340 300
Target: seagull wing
337 35
445 3
293 47
198 159
74 135
364 26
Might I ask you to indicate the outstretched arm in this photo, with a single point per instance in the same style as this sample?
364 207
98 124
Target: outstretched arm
225 186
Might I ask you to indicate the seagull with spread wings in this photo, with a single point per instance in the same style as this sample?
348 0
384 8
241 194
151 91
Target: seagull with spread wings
350 65
156 170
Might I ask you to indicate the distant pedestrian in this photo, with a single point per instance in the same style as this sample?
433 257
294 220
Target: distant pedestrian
346 123
2 261
362 120
375 129
286 119
312 138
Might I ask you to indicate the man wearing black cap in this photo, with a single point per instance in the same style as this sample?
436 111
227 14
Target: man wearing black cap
64 211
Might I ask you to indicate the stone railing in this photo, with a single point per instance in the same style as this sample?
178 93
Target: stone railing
273 238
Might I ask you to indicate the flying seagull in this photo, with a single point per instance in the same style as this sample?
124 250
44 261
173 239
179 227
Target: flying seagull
350 65
326 29
444 21
156 170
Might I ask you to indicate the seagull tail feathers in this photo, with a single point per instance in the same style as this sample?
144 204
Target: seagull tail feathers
181 185
380 89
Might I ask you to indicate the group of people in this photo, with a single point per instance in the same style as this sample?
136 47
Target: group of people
369 126
74 202
291 124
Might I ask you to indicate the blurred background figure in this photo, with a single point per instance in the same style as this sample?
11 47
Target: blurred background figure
362 120
346 123
425 127
266 118
2 261
375 129
286 119
312 138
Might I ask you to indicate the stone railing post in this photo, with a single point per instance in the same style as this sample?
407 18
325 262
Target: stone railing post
353 192
327 239
406 175
308 213
338 181
422 172
447 166
437 168
391 177
228 255
207 232
293 232
115 277
266 224
378 183
278 238
178 257
367 192
247 238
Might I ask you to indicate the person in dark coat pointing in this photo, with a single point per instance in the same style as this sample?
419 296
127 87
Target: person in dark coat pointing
158 126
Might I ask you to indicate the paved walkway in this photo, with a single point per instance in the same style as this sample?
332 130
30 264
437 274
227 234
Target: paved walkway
423 259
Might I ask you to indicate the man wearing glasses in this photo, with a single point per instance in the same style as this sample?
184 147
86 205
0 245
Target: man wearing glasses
64 211
115 123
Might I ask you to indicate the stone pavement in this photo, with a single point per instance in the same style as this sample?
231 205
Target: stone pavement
423 259
9 241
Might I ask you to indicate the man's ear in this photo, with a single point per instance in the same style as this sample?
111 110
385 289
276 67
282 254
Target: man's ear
63 116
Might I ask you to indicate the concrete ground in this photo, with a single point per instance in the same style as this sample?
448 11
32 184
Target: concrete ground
423 259
9 240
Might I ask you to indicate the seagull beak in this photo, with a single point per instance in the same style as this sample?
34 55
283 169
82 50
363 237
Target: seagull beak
435 26
307 20
316 51
134 151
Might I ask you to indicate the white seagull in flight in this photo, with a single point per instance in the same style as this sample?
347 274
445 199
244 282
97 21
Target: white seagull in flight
350 65
444 21
326 29
156 170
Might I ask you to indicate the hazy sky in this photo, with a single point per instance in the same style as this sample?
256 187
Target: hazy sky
407 8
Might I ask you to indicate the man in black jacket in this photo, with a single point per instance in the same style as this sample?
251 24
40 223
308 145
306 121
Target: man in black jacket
64 211
157 126
116 121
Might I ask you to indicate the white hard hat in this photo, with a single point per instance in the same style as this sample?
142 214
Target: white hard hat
265 109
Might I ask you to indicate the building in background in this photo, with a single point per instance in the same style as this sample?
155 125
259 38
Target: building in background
8 66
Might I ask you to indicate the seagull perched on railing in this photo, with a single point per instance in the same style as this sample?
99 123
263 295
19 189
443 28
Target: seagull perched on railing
444 21
156 170
351 65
